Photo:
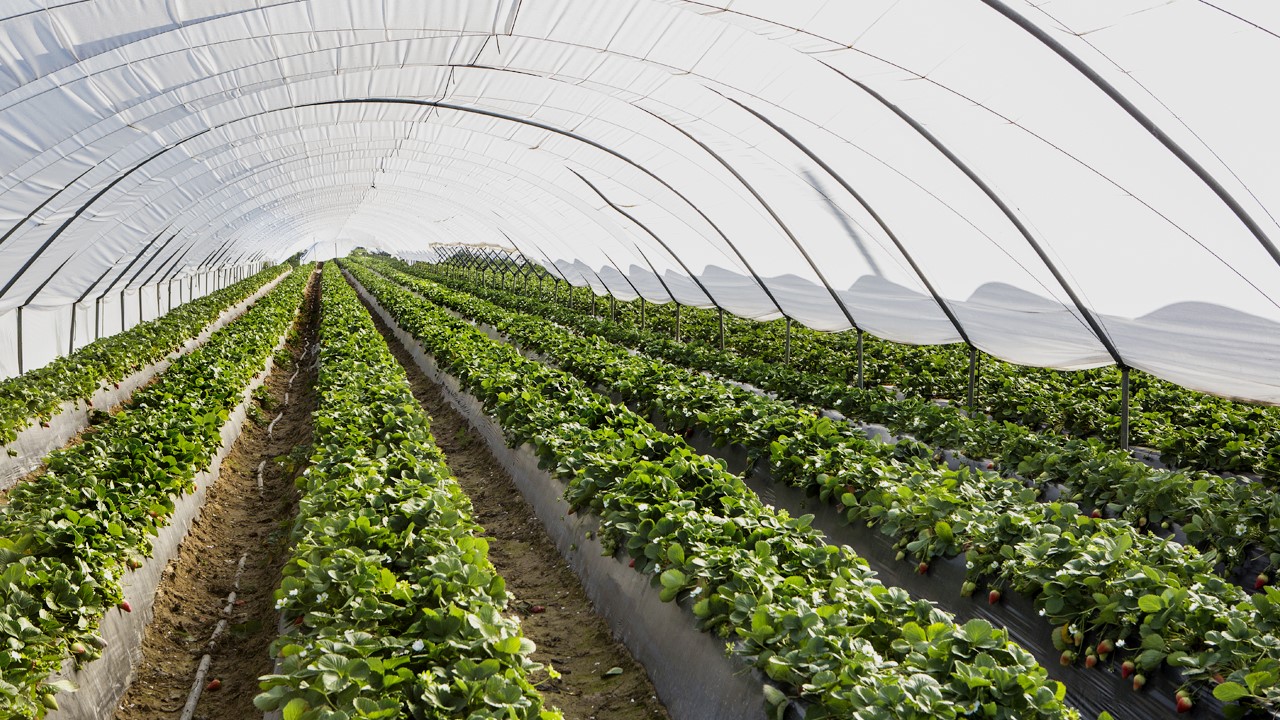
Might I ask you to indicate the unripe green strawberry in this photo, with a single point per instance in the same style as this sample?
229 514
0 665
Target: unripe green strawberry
49 701
1138 681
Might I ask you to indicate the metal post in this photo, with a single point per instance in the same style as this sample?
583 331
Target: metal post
862 381
122 319
677 322
613 309
788 360
1124 408
20 370
97 319
973 377
593 304
641 313
71 341
721 328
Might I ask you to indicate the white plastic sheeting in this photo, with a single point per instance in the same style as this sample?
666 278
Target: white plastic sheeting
1065 183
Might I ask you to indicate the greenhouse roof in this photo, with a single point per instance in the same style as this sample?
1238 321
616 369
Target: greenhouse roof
1061 183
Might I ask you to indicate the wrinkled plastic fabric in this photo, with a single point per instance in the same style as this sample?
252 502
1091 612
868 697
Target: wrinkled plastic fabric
915 168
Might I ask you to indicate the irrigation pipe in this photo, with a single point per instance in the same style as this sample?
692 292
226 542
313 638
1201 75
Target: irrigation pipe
197 687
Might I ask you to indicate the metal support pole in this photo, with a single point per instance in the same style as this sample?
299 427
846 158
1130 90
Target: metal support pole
788 354
677 322
613 309
593 304
71 339
862 380
973 377
97 319
20 368
721 329
1124 408
641 313
122 315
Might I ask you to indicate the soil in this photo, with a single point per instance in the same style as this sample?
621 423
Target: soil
569 635
236 521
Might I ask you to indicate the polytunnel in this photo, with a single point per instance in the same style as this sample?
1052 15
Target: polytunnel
1084 186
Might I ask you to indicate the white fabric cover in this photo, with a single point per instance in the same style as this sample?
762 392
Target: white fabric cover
916 168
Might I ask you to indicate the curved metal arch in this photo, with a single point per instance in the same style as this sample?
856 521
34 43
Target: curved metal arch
1094 323
1142 119
460 155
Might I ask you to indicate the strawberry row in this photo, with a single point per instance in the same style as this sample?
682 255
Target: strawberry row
36 395
1215 513
1088 574
398 610
1189 428
810 615
67 538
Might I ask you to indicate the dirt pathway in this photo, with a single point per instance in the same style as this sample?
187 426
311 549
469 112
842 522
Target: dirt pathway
554 611
237 520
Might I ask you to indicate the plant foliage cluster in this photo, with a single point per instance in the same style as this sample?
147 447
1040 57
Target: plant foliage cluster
1092 576
811 616
37 395
398 610
68 538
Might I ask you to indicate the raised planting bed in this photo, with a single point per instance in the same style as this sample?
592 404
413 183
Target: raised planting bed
807 449
25 452
393 607
683 662
76 541
808 614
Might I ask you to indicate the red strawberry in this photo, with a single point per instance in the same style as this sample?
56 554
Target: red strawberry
1095 514
1090 660
537 609
632 563
1067 658
1261 581
991 466
993 597
1127 668
1138 681
125 606
1184 701
923 568
1106 647
1217 678
214 684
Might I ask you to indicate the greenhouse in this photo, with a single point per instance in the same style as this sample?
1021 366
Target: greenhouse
639 359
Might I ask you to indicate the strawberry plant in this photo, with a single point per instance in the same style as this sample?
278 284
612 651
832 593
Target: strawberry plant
809 615
67 538
1088 571
35 396
400 609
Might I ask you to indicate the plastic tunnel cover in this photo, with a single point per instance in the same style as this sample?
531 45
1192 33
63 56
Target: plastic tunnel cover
1066 184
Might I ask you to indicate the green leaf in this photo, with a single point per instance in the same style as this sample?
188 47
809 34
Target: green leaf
1151 603
1230 692
295 709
